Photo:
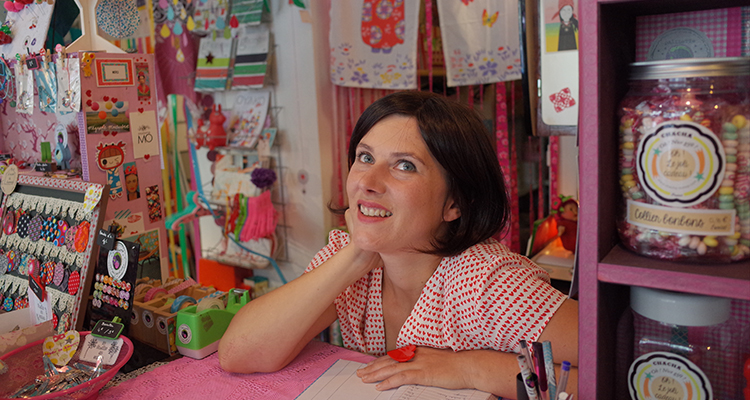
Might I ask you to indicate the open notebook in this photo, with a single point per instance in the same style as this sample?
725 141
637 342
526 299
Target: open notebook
340 382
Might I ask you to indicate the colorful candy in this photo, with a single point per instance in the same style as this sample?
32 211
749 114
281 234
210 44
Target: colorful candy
684 169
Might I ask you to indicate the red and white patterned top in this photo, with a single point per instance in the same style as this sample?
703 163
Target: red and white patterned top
485 298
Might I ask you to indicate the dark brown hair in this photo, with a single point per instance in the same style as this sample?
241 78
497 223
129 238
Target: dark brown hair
459 141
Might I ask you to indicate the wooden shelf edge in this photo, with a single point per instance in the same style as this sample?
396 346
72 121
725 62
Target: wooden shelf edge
721 280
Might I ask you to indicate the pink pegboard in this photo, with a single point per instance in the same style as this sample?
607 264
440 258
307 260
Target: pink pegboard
723 27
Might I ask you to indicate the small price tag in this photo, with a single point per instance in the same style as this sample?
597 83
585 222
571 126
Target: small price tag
37 288
106 240
32 63
94 347
10 179
107 329
45 167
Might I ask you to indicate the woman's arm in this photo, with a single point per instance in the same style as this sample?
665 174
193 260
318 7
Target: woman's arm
267 333
488 370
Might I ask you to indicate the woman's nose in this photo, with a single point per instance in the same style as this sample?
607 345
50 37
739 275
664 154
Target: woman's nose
373 179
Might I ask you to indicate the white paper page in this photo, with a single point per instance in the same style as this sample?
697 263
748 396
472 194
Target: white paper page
415 392
340 382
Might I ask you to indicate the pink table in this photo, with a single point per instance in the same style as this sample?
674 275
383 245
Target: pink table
187 378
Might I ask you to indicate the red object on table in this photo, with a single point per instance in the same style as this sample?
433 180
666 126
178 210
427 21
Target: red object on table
403 354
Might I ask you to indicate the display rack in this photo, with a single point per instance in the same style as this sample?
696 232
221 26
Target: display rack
607 42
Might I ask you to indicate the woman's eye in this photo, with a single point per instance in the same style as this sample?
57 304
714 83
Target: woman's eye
365 158
406 166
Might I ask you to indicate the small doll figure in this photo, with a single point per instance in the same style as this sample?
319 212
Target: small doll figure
567 223
109 158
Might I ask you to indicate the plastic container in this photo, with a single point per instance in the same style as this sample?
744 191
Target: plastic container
684 160
25 363
678 346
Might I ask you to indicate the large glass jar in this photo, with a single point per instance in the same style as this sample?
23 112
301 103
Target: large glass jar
677 346
684 160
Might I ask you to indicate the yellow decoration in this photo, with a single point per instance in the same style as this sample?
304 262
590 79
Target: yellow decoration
165 32
190 23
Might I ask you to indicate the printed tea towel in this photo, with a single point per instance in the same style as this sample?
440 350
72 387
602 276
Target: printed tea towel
374 43
480 41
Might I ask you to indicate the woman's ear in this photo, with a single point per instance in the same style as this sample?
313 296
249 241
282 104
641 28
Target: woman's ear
451 212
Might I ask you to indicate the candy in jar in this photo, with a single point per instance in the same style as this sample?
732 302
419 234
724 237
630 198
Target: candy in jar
684 160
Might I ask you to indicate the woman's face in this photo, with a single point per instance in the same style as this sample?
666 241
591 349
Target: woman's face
566 12
131 182
397 190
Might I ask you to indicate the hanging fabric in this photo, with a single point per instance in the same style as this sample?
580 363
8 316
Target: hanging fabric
554 150
480 41
374 43
428 39
510 236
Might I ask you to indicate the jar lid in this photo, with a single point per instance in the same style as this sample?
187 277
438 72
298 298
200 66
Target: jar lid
677 308
690 67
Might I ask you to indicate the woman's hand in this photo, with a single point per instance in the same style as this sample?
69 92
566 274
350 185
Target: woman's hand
367 259
486 370
429 367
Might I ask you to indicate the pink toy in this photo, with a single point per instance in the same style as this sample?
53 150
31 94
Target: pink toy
214 135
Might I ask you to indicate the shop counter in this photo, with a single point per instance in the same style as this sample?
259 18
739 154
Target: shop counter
188 378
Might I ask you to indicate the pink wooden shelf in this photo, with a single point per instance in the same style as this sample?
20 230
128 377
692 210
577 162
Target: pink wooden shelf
722 280
605 269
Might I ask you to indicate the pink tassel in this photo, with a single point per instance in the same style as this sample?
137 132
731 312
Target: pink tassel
261 218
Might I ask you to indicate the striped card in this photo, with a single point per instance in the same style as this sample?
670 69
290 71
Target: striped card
251 61
214 57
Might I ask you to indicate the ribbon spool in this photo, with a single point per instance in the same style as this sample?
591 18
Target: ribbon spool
142 288
155 293
210 303
181 302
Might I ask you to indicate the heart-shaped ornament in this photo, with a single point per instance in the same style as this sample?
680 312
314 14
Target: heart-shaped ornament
61 348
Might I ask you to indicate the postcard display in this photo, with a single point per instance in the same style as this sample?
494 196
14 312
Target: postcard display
116 142
48 228
120 146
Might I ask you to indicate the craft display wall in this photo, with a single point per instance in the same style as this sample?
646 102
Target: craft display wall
121 145
114 140
48 226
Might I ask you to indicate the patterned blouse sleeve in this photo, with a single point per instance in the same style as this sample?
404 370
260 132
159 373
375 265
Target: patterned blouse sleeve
336 241
516 301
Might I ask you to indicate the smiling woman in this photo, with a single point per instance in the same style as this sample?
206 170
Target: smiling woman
419 266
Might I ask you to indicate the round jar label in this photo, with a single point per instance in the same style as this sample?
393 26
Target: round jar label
667 376
680 163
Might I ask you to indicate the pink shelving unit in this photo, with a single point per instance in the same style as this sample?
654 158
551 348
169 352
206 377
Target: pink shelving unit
607 43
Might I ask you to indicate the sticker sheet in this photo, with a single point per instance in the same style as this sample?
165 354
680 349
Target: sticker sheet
480 41
251 59
374 43
114 282
212 70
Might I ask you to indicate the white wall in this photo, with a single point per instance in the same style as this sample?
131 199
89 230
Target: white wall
297 120
294 107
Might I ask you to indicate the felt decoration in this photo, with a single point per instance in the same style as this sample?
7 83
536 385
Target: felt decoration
70 238
23 225
74 281
82 237
35 228
117 18
59 274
